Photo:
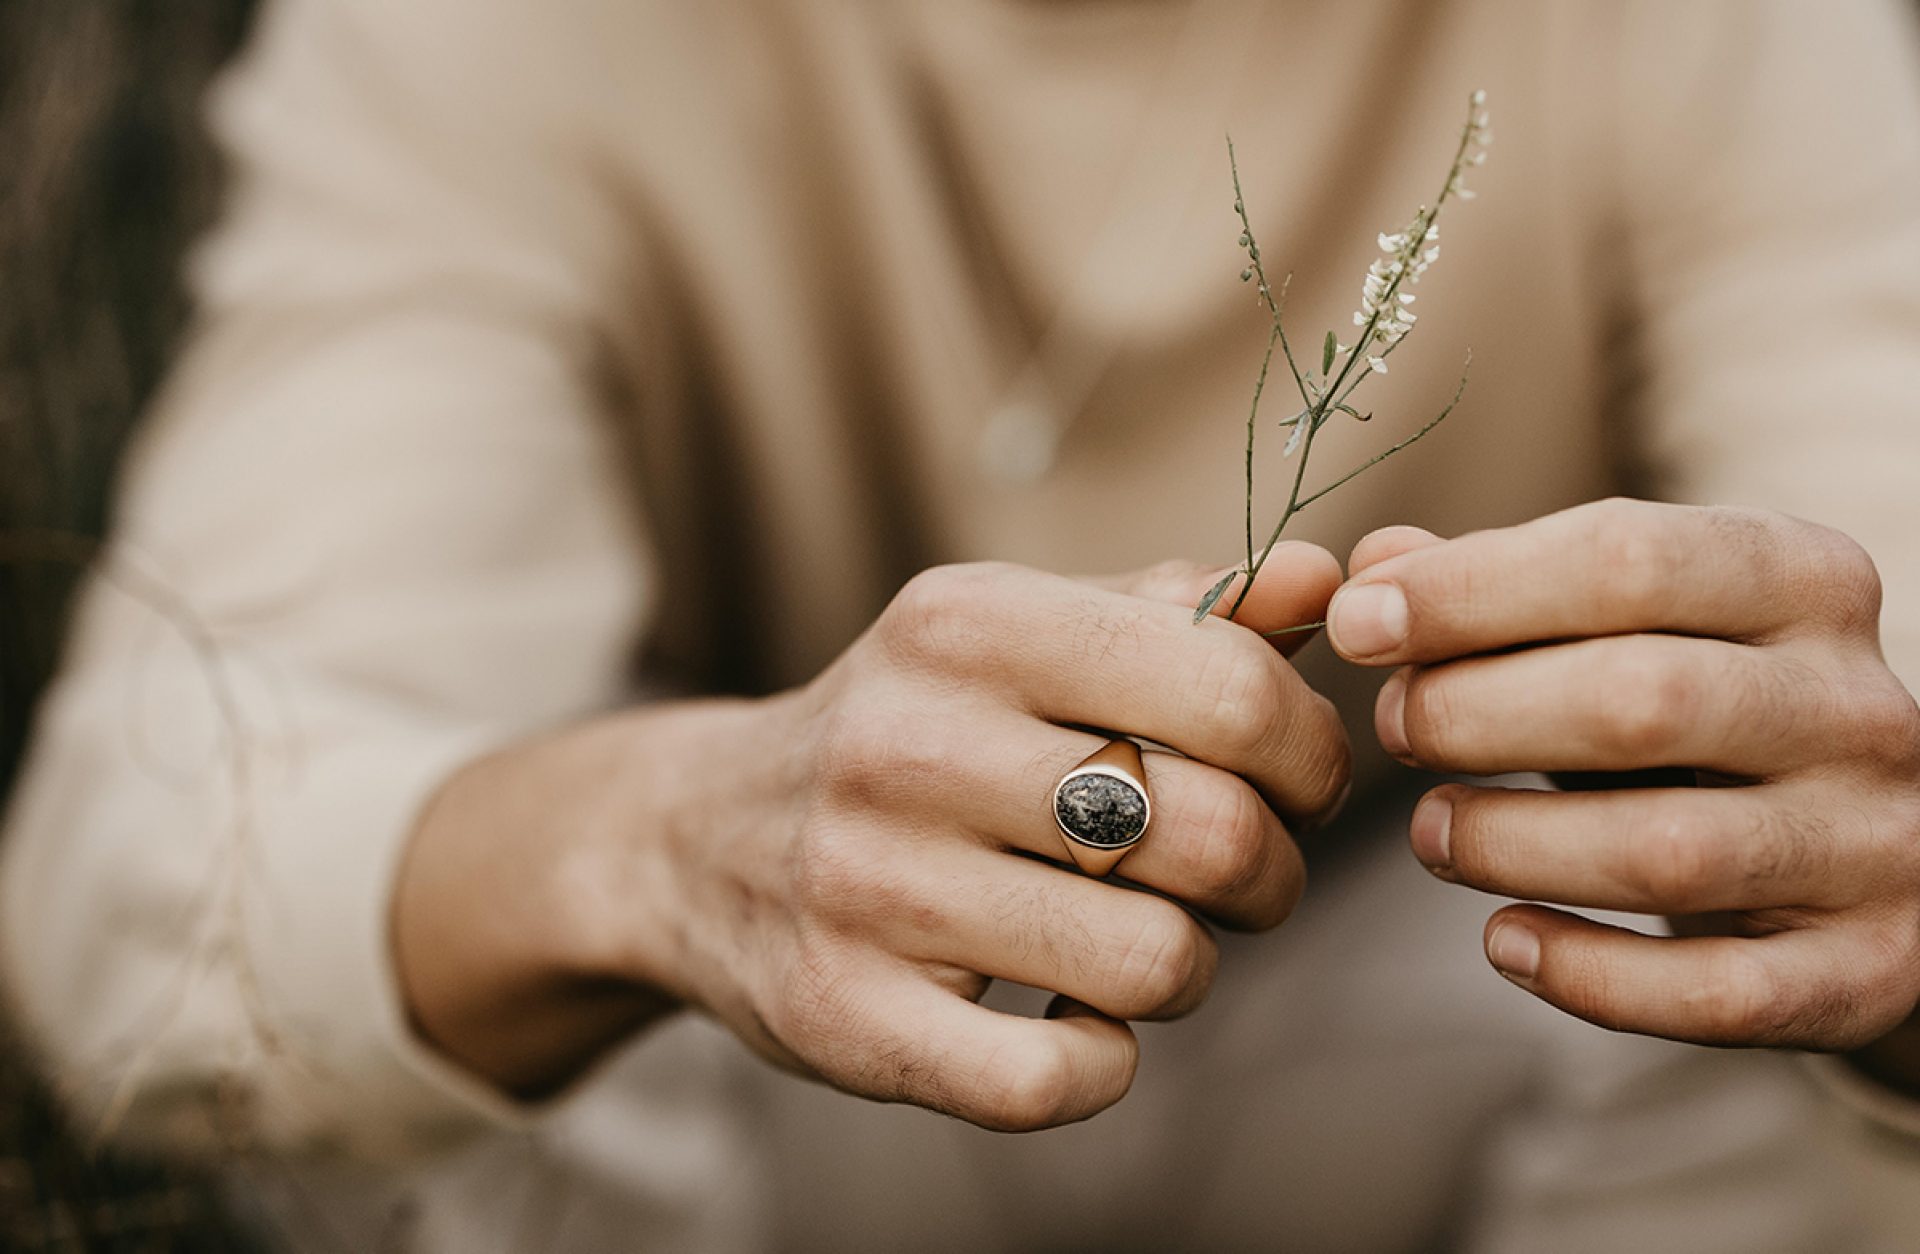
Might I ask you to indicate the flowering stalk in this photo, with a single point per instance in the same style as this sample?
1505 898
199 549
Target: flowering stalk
1384 319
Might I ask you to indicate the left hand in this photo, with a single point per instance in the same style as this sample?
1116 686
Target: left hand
1625 635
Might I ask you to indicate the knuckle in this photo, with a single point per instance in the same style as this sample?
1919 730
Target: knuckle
1851 579
861 750
1894 986
1779 689
815 1001
1738 1000
1838 1013
1231 857
1886 724
1584 980
1897 840
1636 558
1332 767
937 618
1672 864
1643 704
1770 851
1025 1089
1255 719
1239 690
1159 965
1682 860
838 874
1320 758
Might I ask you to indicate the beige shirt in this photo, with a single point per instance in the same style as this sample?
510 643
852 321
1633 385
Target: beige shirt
548 354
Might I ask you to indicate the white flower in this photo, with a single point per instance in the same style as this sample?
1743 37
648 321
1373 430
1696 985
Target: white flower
1409 252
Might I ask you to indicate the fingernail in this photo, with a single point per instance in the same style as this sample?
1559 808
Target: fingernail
1390 717
1333 812
1368 619
1339 804
1514 951
1432 832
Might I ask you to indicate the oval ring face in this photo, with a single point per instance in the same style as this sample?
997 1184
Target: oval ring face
1100 808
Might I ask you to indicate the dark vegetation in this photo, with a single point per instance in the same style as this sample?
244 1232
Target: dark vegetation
105 177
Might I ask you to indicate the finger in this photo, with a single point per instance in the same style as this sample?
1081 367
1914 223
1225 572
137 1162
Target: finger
1128 954
1611 704
1293 589
1072 654
988 774
908 1040
1213 843
1377 546
1653 851
1606 568
1777 990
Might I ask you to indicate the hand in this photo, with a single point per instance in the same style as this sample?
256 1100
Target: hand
1626 635
837 873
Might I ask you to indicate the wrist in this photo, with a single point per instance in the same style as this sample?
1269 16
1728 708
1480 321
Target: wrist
537 921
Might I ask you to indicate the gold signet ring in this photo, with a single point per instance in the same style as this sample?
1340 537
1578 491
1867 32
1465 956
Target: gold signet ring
1102 807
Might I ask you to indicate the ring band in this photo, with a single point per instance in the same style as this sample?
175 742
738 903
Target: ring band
1102 807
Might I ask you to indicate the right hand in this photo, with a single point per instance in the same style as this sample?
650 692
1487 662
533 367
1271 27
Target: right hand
837 873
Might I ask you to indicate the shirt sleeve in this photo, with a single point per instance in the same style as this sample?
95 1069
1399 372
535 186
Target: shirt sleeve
1770 184
375 526
1770 159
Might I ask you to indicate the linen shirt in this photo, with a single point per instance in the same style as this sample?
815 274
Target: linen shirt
551 357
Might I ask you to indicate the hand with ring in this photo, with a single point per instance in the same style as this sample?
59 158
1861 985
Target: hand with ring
838 872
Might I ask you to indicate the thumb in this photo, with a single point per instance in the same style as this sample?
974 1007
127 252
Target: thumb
1377 546
1293 588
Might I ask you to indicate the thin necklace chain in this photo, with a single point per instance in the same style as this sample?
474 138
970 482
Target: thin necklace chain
1047 393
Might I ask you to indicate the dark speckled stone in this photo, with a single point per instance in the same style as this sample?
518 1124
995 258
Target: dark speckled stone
1101 810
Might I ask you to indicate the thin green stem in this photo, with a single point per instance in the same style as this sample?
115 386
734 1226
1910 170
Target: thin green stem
1371 462
1280 329
1341 387
1294 631
1293 507
1253 413
1275 306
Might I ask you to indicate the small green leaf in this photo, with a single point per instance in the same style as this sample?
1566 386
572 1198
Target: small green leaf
1348 409
1326 355
1213 596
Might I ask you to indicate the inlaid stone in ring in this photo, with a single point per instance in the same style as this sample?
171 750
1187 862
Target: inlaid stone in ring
1101 810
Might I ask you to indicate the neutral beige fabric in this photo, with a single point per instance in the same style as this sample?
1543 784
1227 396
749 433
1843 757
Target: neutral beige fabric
549 353
1358 1087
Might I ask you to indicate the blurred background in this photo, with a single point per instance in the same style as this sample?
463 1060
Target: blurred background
105 178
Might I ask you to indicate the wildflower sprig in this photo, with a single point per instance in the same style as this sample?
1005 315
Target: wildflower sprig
1384 320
